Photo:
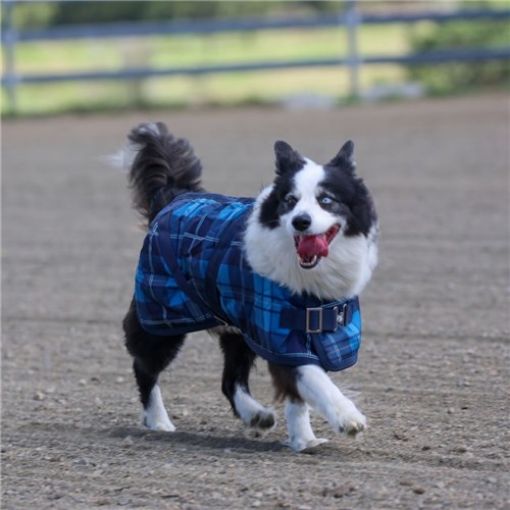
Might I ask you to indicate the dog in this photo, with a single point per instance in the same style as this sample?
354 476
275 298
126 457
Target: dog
275 276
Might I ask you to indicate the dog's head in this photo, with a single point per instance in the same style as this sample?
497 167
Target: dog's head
325 211
316 204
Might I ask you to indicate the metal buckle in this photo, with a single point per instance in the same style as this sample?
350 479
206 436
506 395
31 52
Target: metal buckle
337 316
341 315
308 312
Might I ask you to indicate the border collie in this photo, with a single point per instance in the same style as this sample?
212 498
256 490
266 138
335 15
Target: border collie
276 276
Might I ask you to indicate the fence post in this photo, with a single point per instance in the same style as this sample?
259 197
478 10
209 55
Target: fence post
352 20
9 41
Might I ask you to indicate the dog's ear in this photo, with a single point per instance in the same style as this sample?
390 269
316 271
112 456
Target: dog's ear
287 159
345 157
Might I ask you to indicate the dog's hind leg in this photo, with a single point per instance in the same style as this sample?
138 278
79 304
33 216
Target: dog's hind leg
151 354
155 416
297 413
239 359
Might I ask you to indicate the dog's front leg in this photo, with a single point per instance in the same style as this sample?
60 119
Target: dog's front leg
301 436
319 391
297 413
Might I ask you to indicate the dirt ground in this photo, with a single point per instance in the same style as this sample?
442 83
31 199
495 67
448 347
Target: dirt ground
433 372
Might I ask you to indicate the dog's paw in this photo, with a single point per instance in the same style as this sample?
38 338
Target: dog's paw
159 423
353 427
253 414
260 423
348 420
154 415
264 419
305 446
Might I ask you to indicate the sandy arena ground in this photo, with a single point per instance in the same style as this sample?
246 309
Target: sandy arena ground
433 374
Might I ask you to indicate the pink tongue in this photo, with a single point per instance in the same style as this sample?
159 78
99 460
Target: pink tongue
308 246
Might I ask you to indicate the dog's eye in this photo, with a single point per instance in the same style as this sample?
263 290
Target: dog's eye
325 200
290 199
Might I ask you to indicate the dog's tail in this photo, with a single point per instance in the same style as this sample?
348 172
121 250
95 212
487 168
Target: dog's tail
160 167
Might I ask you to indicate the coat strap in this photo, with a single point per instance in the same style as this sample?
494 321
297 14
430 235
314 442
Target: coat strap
317 319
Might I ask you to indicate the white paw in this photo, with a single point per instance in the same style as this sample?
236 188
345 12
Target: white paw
348 420
264 419
161 423
254 415
260 423
155 416
305 446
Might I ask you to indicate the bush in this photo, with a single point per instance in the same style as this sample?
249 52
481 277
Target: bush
42 14
451 77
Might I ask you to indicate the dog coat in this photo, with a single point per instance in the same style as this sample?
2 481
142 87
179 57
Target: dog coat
193 275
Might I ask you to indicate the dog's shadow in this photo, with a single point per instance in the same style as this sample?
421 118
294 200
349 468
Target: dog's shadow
195 440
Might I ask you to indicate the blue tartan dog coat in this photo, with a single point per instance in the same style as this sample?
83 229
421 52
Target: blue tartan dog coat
193 275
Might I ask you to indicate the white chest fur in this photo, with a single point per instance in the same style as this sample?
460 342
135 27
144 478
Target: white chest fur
344 273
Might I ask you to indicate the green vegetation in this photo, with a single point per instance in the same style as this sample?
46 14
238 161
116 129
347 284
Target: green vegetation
259 87
167 52
43 14
458 77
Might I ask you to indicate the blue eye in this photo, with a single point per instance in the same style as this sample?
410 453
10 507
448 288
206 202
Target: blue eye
325 200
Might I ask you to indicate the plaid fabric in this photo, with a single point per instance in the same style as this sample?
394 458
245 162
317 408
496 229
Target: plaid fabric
193 275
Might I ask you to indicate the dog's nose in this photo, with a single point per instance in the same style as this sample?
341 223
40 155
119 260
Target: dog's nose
301 222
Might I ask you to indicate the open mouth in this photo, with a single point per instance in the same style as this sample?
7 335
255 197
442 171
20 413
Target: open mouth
311 248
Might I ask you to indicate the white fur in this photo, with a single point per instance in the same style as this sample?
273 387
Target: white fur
373 234
155 416
150 128
319 391
271 252
306 184
248 408
124 157
301 436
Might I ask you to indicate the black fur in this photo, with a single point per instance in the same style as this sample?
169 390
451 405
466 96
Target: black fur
287 159
352 199
284 382
350 195
239 360
151 353
269 214
288 163
344 156
163 168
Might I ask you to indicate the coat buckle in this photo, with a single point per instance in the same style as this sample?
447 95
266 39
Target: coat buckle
311 319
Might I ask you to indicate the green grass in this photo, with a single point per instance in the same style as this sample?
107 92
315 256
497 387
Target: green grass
228 89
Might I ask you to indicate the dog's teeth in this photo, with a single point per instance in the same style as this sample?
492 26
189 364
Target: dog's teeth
308 264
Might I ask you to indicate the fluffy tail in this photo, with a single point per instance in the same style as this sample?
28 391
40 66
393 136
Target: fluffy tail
162 167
